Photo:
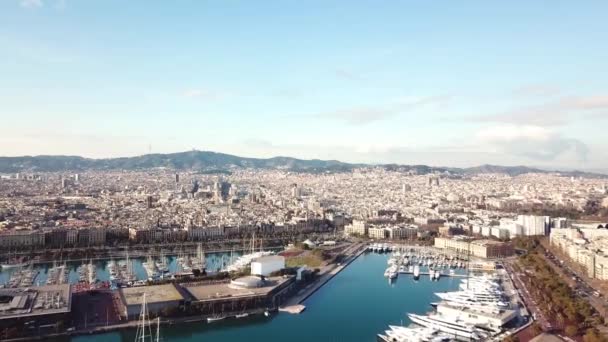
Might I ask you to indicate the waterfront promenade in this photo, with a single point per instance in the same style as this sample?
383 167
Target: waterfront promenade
326 274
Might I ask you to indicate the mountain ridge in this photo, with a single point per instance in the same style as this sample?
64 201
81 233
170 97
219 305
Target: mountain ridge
207 160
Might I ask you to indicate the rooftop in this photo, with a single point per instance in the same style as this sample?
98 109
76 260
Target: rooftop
154 294
217 291
35 301
270 258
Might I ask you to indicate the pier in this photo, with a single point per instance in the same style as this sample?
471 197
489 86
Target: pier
294 305
457 275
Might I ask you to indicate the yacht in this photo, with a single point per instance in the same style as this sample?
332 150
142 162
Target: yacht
215 319
463 297
451 326
403 334
416 272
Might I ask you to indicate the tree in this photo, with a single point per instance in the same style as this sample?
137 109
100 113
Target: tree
535 329
571 330
593 335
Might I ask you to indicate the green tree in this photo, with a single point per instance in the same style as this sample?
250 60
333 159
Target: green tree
571 330
535 329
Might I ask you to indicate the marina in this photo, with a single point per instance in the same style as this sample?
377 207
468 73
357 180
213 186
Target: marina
106 271
336 311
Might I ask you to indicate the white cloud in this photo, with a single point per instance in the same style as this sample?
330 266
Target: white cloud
533 142
367 114
31 3
559 112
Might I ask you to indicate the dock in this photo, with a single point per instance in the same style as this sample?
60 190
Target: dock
442 275
293 309
328 273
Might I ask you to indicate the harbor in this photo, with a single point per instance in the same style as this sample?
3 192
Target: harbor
402 305
104 271
483 308
337 310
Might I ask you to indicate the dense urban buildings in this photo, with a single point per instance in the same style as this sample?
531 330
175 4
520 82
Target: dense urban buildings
96 208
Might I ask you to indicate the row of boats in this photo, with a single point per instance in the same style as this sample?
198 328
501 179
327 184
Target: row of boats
411 261
213 319
87 273
244 261
23 277
58 274
393 271
479 297
380 247
425 258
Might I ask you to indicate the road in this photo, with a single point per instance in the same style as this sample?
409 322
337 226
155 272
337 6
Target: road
524 292
578 281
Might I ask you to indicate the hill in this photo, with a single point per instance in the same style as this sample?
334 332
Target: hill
206 160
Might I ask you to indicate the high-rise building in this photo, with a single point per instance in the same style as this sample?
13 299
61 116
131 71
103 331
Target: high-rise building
433 180
534 225
177 178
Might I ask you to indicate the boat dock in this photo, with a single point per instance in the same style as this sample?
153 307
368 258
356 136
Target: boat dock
294 305
457 275
293 309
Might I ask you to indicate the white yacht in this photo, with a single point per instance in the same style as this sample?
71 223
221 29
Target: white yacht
391 272
451 326
464 297
416 272
418 334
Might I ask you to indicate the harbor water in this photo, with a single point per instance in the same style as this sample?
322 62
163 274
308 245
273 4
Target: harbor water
354 306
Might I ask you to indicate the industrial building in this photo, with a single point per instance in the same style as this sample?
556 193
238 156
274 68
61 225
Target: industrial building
242 294
158 298
37 306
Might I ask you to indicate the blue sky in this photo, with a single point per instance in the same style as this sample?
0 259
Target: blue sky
434 82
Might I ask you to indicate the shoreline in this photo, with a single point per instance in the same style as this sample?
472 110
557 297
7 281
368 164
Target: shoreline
354 252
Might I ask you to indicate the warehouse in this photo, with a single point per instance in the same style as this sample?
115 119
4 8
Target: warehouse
38 305
159 298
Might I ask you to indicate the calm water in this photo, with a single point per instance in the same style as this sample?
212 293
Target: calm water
354 306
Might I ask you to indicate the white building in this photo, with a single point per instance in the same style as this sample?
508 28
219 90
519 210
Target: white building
534 225
356 228
266 265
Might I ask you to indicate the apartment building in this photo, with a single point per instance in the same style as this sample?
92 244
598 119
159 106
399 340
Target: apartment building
478 248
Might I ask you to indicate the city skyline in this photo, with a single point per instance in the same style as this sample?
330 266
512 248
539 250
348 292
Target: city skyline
411 83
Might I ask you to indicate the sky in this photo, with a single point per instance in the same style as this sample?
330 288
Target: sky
445 83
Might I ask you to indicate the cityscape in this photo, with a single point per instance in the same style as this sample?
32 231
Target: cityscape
229 171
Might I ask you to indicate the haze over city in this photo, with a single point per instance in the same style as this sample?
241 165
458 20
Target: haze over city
451 84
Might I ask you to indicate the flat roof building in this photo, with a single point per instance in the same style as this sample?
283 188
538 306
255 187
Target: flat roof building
47 304
158 298
478 248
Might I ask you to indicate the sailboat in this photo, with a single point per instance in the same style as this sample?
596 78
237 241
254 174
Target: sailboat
198 263
144 328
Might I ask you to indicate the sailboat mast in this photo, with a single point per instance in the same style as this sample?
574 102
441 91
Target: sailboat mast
157 329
